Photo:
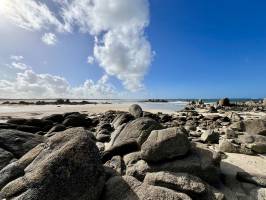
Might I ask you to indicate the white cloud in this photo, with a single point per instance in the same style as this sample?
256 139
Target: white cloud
16 58
90 59
30 14
19 65
32 85
121 47
49 38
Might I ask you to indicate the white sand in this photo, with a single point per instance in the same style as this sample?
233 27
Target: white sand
38 111
239 162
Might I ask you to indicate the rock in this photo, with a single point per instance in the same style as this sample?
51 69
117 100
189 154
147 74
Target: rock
103 138
139 130
136 110
255 127
121 149
29 129
195 134
7 126
57 128
66 167
264 102
127 187
199 163
164 118
224 102
191 128
76 121
234 117
38 123
165 144
116 188
121 119
132 158
254 179
151 115
18 142
228 146
212 117
58 118
17 121
258 194
212 109
181 182
104 126
5 158
255 138
210 136
237 126
100 146
230 134
116 163
258 147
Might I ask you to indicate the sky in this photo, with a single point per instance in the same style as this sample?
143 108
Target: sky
132 49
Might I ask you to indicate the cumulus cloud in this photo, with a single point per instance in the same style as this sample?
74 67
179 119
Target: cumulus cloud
49 39
32 85
90 59
121 47
19 65
16 58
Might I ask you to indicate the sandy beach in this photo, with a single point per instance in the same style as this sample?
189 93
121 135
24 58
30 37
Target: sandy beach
39 111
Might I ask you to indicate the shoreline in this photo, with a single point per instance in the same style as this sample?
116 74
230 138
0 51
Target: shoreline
39 111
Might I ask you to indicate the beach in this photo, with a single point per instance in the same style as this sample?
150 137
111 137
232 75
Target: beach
133 145
39 111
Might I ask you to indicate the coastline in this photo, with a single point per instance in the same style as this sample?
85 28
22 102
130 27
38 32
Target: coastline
39 111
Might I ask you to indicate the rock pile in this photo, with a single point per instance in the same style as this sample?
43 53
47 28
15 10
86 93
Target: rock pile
132 155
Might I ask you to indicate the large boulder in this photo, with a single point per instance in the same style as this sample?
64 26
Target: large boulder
200 162
31 125
138 130
18 142
5 158
228 146
258 147
182 182
224 102
264 102
67 166
255 127
136 110
129 188
234 117
116 163
251 126
210 136
121 119
17 121
57 118
121 149
252 178
76 120
165 144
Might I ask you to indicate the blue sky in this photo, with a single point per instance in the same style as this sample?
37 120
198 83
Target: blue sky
181 49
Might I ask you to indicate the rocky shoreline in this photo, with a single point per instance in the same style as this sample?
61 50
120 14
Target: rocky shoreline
134 155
